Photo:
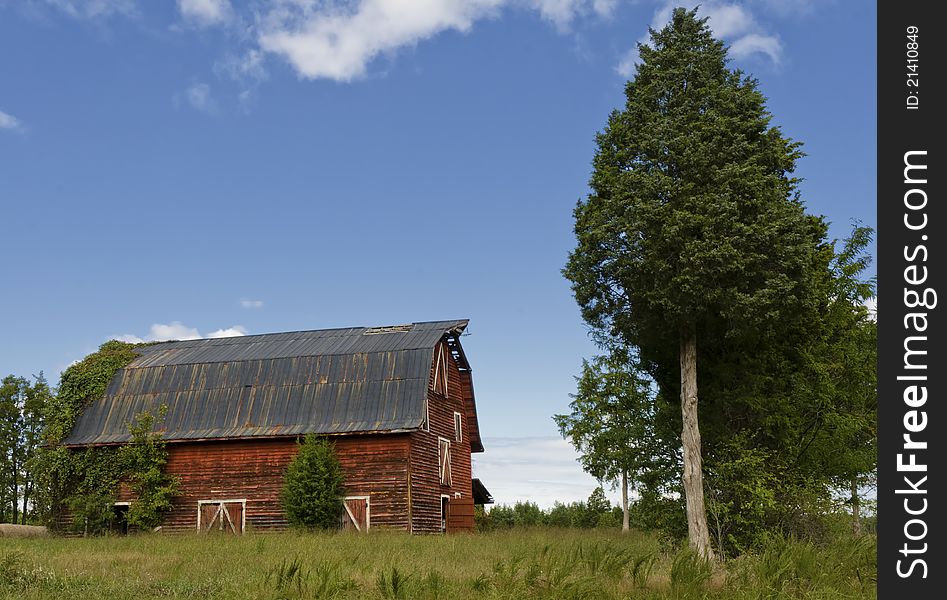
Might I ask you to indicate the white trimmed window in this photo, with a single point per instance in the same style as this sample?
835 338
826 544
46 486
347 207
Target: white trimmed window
426 425
443 460
458 427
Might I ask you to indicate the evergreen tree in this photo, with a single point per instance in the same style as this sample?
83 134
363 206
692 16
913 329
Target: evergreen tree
313 486
693 229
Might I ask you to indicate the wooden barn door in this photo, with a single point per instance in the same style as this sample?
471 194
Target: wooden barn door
356 515
221 516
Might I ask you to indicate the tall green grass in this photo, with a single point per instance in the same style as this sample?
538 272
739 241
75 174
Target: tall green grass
530 564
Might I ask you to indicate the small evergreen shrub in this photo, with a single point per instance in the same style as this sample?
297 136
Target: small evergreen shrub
313 486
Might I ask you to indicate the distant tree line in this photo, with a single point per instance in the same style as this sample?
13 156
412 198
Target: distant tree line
597 511
23 405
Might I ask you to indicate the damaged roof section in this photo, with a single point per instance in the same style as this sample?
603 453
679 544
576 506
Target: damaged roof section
332 381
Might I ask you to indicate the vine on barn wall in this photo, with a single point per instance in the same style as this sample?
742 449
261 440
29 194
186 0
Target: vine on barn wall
86 482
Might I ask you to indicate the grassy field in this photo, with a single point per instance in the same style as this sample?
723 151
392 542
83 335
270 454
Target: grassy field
517 564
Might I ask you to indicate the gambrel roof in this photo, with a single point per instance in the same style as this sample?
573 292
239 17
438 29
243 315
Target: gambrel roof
329 381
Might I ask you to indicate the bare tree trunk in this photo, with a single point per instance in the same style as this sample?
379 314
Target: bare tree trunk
697 531
856 517
624 502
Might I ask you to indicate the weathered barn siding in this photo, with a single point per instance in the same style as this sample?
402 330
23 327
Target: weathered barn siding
374 466
425 479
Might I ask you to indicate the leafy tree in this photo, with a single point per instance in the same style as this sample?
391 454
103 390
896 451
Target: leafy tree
611 419
36 400
842 367
693 229
12 453
313 486
22 407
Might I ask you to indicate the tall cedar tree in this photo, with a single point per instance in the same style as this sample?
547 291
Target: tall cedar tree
693 226
313 486
611 420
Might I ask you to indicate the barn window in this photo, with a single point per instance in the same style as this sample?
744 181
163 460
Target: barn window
357 513
443 460
439 383
226 516
426 425
458 427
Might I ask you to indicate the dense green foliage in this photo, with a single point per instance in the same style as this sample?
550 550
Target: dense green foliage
86 482
143 460
525 564
694 229
313 486
83 382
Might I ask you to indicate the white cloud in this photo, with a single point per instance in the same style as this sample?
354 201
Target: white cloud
337 39
729 21
205 13
11 123
334 41
872 305
563 12
175 330
91 9
129 338
538 469
235 331
755 43
248 303
198 96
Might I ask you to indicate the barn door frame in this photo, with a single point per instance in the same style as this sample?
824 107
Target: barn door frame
445 512
368 511
223 509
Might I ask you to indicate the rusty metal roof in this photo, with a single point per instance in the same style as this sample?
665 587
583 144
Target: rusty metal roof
329 381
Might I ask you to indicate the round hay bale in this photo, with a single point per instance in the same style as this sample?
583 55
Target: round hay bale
10 530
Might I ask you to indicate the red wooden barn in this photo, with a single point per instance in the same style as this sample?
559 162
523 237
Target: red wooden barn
398 402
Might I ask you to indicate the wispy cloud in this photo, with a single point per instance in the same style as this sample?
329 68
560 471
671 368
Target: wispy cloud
175 330
199 97
248 303
563 12
538 469
92 9
337 40
10 123
205 13
758 44
732 22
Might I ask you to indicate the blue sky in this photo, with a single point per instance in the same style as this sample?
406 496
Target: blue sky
215 167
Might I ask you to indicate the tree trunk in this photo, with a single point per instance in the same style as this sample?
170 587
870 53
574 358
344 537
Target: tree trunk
624 502
697 531
26 498
15 489
856 517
